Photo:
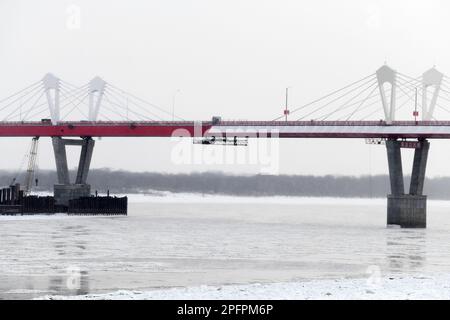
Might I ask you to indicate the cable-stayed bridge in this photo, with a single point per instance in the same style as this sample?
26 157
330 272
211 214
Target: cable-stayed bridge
387 107
386 104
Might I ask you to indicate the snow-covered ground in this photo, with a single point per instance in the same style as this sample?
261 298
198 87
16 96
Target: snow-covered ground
170 197
155 196
407 287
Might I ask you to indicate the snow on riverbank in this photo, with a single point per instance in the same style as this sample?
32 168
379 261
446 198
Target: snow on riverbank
162 197
169 197
404 288
155 196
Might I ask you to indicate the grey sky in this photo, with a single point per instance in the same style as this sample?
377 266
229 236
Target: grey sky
228 58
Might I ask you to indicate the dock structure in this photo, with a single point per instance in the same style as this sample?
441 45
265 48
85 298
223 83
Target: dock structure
106 205
14 202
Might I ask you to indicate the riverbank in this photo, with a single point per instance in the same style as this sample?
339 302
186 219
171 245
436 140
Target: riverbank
372 287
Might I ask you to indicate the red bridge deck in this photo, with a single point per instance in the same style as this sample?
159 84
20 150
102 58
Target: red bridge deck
282 129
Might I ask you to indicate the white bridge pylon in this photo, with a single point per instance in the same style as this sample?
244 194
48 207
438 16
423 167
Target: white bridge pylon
387 75
96 92
95 101
386 95
431 78
52 87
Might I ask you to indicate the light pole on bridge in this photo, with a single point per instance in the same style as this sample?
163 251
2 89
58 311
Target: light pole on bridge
286 110
173 103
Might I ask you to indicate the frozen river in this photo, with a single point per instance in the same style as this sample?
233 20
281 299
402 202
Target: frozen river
182 240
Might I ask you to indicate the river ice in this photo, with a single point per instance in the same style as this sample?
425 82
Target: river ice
194 246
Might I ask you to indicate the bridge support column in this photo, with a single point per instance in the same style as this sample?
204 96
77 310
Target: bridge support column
87 149
407 210
65 190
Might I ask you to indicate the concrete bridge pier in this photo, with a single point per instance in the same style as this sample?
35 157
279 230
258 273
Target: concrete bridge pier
407 210
65 190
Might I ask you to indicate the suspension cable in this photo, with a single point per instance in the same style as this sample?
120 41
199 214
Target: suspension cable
14 111
334 100
114 95
130 110
142 100
356 110
18 92
37 88
346 106
326 96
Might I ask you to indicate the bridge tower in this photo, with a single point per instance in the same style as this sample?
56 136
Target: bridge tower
52 87
386 75
431 78
409 210
96 90
66 190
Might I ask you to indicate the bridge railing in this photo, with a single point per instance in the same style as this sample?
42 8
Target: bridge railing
334 123
229 123
102 123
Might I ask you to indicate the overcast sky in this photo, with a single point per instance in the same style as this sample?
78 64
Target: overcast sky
229 58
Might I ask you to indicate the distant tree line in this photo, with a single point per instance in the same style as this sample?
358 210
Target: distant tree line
238 185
